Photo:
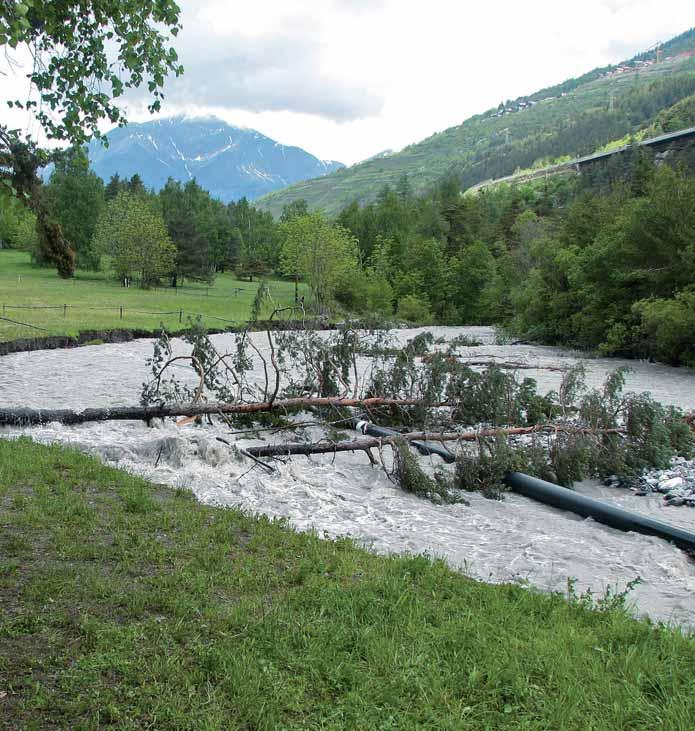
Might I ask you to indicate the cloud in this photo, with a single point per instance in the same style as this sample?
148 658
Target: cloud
616 6
359 6
285 68
624 49
276 73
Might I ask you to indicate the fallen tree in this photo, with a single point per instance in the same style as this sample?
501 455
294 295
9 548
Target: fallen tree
363 444
33 417
424 397
510 365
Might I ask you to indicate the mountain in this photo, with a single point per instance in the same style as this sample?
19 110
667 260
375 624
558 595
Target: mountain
230 162
379 155
573 118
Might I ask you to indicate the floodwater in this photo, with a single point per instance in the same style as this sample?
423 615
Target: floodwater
512 540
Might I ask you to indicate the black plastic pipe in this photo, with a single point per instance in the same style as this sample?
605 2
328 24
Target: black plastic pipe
366 427
565 499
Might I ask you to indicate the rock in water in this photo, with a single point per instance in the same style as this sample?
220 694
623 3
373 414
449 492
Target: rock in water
674 483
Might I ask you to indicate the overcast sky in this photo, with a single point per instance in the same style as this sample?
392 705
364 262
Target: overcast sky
346 79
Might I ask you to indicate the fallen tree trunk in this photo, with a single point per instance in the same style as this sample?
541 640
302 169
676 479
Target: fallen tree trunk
30 417
367 443
373 430
511 366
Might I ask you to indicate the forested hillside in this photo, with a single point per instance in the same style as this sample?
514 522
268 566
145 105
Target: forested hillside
604 261
572 118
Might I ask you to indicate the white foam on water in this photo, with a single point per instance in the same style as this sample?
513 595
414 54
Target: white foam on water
342 495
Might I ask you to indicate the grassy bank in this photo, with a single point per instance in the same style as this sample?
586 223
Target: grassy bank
94 301
131 605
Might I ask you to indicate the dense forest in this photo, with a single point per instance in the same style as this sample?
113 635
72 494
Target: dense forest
604 261
207 236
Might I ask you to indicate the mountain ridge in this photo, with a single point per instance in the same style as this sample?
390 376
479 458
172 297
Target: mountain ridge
230 162
575 117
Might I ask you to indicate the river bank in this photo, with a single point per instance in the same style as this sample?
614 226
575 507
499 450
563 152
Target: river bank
513 540
129 604
123 335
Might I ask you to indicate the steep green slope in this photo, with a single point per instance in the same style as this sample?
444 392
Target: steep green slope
573 118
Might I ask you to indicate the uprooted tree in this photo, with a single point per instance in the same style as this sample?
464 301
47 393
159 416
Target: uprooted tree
284 381
492 421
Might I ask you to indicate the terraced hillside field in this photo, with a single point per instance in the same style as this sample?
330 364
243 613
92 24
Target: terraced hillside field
574 118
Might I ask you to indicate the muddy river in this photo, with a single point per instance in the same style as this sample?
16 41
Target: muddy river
513 540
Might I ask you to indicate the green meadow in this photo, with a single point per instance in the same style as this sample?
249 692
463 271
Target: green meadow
96 301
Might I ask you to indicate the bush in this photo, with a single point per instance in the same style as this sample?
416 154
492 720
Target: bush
379 295
415 310
26 237
667 327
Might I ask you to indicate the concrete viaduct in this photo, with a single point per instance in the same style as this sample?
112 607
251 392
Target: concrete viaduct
660 143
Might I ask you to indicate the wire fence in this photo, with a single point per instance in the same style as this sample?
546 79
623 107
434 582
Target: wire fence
122 310
20 315
191 292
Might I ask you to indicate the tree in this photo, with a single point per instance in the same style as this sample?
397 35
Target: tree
199 227
293 210
79 50
135 185
19 164
423 273
322 255
404 189
75 197
113 187
131 232
255 239
180 215
471 272
17 226
10 213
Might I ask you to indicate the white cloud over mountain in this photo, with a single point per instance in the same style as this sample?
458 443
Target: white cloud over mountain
347 78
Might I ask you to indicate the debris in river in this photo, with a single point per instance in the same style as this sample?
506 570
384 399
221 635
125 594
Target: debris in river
676 483
494 420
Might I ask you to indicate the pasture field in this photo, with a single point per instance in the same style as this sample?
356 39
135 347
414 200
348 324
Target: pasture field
95 301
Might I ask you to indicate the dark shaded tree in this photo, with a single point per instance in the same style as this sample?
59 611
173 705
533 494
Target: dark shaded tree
75 196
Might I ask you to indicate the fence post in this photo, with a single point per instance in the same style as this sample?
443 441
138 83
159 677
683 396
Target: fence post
3 309
180 315
65 310
121 310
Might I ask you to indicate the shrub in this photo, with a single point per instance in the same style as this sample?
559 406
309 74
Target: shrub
415 310
667 327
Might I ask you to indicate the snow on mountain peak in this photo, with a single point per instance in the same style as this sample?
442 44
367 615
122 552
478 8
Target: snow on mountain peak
231 162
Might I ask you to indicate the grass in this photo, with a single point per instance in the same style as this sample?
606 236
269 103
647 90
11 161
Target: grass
131 606
94 301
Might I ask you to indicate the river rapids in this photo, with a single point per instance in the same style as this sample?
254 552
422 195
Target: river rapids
512 540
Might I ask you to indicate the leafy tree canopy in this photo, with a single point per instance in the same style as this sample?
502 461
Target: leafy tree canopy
84 57
132 234
75 196
87 54
322 254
